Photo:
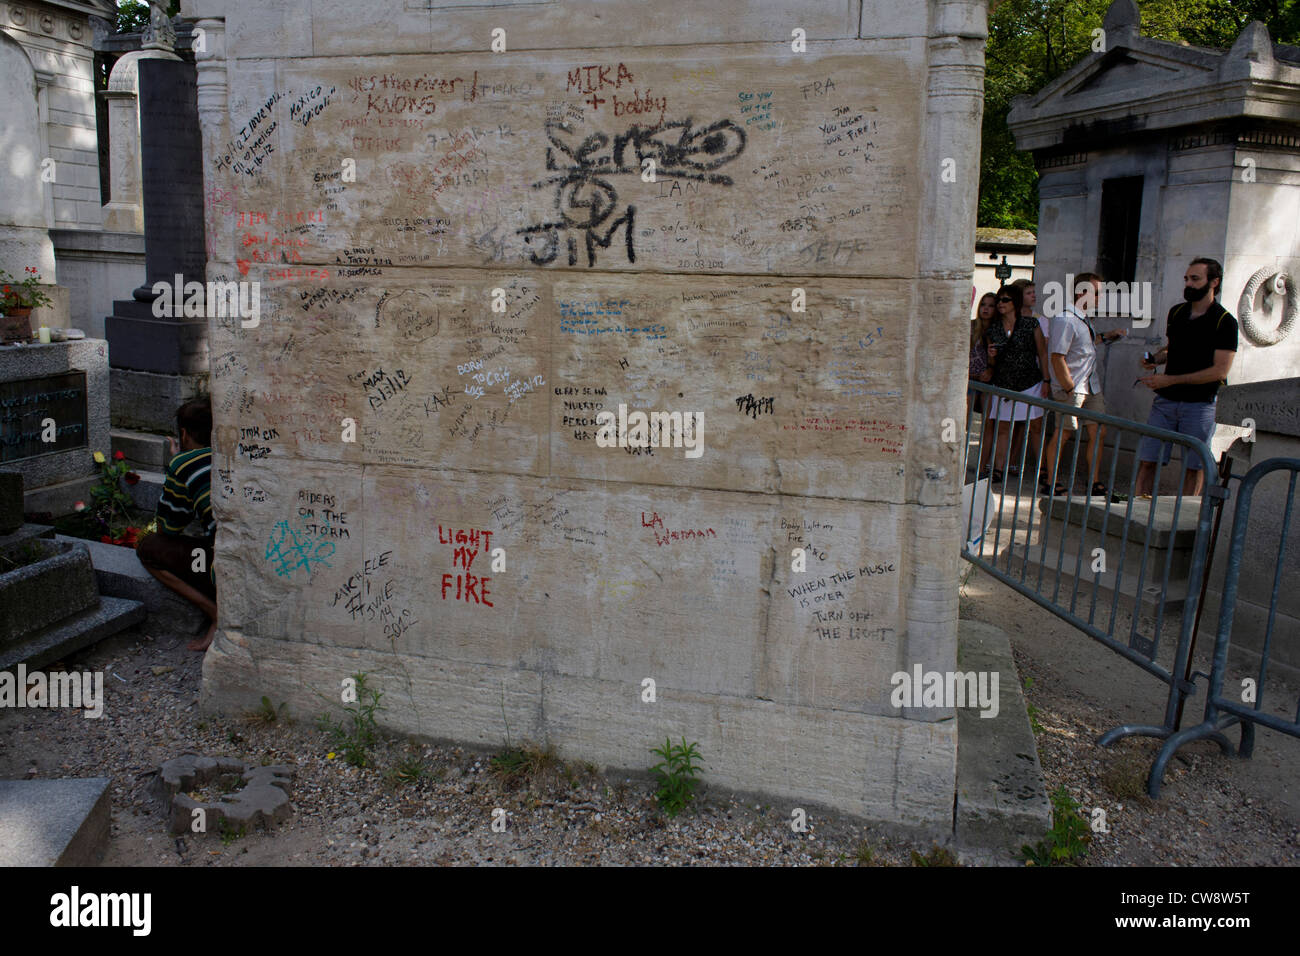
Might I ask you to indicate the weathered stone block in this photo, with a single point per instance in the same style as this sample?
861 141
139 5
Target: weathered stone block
465 261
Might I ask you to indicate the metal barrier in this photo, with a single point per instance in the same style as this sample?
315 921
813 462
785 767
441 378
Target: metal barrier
1139 648
1221 712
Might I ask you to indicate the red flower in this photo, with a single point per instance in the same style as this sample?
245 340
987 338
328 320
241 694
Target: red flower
131 477
118 456
106 539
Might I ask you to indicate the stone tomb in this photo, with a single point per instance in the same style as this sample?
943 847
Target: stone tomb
408 478
66 382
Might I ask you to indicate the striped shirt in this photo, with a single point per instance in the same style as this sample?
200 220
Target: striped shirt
185 493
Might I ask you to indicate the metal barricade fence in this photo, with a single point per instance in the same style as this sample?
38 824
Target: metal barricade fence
1143 527
1222 712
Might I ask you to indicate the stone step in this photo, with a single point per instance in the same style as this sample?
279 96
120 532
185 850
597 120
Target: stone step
1152 597
1002 799
119 574
54 822
63 637
1162 530
143 450
1131 549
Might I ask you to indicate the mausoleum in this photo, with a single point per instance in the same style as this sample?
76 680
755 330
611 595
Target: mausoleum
474 228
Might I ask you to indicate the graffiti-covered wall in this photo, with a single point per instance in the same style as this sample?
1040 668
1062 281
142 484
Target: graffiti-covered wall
618 353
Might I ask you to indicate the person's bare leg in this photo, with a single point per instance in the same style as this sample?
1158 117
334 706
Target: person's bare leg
988 433
1192 483
195 597
1146 475
1093 433
1033 455
1004 437
1046 463
1058 476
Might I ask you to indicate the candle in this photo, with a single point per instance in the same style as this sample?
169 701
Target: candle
45 334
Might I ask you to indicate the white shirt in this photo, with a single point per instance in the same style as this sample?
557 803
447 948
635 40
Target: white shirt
1072 337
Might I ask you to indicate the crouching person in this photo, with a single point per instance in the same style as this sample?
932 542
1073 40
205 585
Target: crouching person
170 555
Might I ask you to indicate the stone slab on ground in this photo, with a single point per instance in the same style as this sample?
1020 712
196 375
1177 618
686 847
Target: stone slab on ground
1002 799
54 822
60 639
120 574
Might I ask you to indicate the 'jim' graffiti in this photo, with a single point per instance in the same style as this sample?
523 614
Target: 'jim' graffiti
585 200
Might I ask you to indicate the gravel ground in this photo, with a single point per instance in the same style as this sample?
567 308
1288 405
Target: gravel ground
1214 810
575 815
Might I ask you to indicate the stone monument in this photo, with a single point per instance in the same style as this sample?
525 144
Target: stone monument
599 385
1152 153
159 360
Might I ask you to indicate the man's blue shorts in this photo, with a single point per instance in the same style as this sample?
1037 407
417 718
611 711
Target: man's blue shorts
1186 418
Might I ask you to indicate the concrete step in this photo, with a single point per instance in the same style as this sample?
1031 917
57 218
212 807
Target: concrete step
56 641
1002 799
1115 545
1061 591
120 574
142 449
1162 530
54 822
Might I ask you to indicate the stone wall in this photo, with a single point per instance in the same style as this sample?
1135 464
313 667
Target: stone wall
797 273
58 41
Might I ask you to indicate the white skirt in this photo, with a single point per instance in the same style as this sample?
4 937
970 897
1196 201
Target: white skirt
1009 410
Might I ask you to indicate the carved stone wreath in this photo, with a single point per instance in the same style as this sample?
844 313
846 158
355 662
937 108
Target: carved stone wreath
1280 282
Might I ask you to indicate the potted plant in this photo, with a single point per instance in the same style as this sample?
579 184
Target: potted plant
17 299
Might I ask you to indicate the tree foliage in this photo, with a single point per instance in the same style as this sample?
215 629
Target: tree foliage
1032 42
133 15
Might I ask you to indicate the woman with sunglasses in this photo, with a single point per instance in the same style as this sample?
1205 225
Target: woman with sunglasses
1018 355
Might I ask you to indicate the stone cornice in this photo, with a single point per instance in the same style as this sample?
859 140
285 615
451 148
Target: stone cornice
1201 86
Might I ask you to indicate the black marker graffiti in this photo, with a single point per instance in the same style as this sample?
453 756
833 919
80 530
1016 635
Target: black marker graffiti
585 202
753 407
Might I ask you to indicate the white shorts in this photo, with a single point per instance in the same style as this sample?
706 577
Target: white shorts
1008 410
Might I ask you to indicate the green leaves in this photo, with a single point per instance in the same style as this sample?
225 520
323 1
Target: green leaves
1068 838
676 775
355 737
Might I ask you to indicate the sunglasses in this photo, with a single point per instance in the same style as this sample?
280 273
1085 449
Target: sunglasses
1006 298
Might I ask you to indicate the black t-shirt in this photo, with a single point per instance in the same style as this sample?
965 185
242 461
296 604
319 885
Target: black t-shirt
1192 344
